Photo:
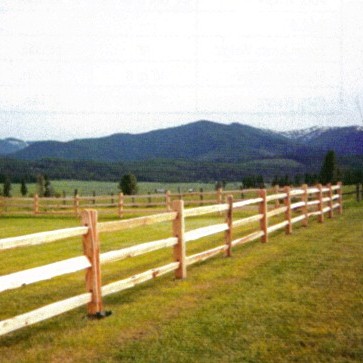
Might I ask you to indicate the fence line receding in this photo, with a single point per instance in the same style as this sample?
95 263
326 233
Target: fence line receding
293 205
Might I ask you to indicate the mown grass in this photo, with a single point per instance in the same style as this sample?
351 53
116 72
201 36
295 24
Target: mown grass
297 298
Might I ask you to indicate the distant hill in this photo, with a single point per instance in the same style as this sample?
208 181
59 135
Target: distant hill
343 140
11 145
200 141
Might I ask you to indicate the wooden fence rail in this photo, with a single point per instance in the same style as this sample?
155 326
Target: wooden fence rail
316 201
119 205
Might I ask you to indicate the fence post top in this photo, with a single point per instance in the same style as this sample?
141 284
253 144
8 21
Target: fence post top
87 212
263 193
178 203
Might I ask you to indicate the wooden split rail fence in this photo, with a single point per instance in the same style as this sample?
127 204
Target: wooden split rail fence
119 204
294 205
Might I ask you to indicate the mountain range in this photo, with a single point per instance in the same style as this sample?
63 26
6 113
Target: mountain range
199 151
199 141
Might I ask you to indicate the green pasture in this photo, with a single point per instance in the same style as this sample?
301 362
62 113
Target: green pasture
298 298
106 188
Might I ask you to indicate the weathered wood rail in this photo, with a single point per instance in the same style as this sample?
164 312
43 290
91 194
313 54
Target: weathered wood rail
298 206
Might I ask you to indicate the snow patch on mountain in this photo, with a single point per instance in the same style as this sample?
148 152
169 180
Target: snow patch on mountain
307 134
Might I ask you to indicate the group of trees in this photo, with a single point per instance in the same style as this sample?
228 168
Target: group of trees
44 187
7 187
329 173
253 181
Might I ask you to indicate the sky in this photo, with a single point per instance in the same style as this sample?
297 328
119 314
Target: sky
88 68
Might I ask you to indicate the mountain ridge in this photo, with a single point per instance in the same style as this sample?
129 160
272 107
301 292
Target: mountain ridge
202 140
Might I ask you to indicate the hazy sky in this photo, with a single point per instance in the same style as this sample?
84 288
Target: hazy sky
80 68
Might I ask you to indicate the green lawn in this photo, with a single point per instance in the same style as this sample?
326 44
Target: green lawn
298 298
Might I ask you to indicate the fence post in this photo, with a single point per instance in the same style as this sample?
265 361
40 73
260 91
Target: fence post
36 203
340 192
76 205
91 249
276 191
320 205
178 232
201 196
180 194
242 194
305 209
229 221
288 210
331 212
263 211
168 200
94 197
357 188
219 196
120 204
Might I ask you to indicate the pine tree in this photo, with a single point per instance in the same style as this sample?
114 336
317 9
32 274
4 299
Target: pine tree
23 188
329 169
48 188
128 184
40 188
7 188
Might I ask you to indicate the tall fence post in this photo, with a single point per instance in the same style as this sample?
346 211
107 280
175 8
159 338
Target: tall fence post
229 221
178 232
276 191
91 249
320 205
168 200
305 209
263 211
36 203
120 205
76 204
331 211
340 192
288 210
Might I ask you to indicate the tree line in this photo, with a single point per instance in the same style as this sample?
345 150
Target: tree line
19 171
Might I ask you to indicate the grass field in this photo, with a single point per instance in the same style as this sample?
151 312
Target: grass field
105 188
298 298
